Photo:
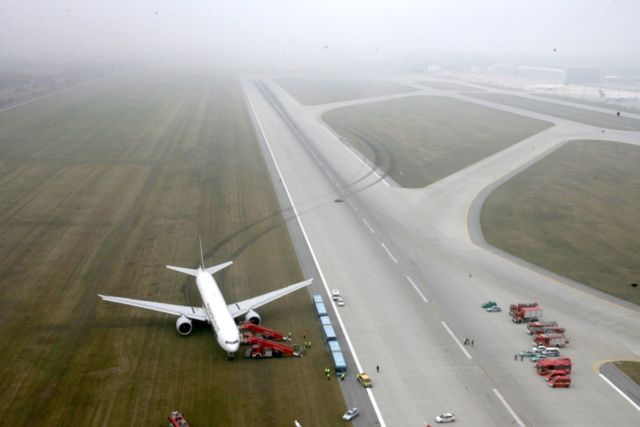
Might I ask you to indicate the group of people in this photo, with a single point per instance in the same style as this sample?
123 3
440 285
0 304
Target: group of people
468 341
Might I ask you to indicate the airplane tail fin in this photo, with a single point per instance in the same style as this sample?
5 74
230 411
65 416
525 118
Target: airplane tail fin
201 254
194 272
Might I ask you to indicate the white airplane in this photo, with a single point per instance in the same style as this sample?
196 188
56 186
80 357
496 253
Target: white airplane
550 88
621 99
214 310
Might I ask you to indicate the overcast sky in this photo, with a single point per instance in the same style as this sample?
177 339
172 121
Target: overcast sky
272 30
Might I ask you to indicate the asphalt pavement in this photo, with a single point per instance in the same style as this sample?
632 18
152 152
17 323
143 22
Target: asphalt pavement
414 272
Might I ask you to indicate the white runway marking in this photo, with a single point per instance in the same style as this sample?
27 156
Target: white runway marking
511 411
464 350
416 288
634 404
315 260
389 253
355 155
368 226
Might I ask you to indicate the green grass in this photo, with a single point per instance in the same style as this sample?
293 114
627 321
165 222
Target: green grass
576 114
631 369
419 140
575 213
449 86
311 92
101 188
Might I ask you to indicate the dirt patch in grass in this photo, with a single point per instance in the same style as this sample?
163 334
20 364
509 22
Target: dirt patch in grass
101 188
449 86
575 213
419 140
594 118
311 92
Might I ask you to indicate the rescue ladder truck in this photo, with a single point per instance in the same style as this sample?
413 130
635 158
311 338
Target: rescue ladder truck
263 331
261 347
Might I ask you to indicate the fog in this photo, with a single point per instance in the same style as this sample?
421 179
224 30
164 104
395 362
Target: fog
305 33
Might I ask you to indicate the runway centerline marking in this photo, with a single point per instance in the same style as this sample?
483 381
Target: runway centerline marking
511 411
457 341
389 253
368 226
628 399
416 288
315 260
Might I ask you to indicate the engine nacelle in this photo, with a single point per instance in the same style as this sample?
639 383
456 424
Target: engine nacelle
183 325
252 317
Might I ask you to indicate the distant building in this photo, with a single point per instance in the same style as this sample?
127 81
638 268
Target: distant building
569 75
549 75
504 69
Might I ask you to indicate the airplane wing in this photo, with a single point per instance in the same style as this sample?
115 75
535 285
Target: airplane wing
193 313
242 307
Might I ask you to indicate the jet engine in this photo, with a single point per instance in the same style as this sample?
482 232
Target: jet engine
252 317
184 326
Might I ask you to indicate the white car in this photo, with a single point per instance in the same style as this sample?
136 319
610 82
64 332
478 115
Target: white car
335 294
447 417
340 302
351 414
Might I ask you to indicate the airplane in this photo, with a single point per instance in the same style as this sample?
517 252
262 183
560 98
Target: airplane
215 311
620 99
550 88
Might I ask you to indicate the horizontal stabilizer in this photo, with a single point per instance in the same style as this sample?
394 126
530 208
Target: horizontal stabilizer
218 267
189 271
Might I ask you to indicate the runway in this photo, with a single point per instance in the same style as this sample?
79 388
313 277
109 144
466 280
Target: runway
413 269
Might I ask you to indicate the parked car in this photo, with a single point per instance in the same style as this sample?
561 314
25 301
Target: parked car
351 414
527 354
340 302
494 309
335 294
447 417
537 357
489 304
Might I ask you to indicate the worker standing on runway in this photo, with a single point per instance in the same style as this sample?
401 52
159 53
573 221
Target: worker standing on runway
377 368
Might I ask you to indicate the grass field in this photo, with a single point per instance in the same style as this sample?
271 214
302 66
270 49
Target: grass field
419 140
632 369
449 86
575 213
311 92
580 115
100 188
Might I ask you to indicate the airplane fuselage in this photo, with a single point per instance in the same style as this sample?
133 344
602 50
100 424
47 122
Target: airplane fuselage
215 307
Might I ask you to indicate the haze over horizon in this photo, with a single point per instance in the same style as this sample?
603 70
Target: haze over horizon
296 32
